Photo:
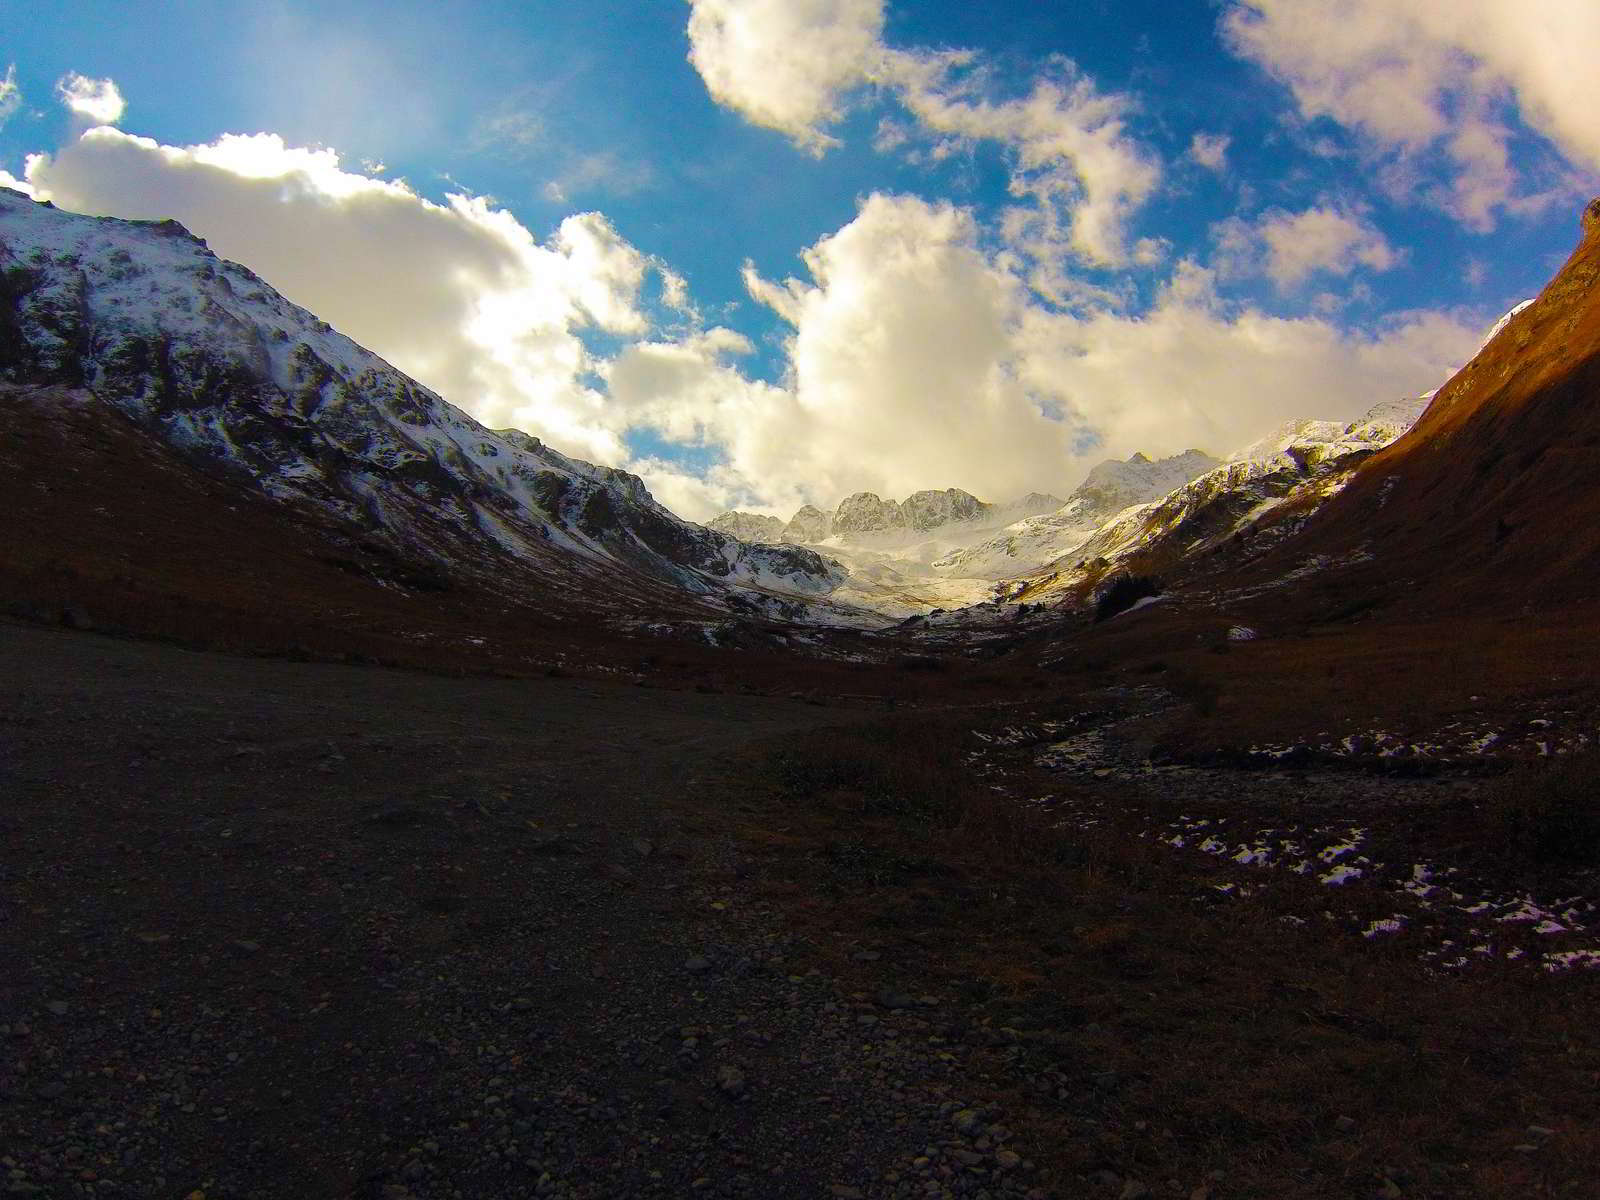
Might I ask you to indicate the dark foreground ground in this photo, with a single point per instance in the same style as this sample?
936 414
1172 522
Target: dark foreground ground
273 929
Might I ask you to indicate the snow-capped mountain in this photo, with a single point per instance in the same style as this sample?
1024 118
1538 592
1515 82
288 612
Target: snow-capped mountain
1307 443
1299 465
1107 490
887 547
205 356
1115 485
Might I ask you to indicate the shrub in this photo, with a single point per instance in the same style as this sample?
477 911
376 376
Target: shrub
1122 593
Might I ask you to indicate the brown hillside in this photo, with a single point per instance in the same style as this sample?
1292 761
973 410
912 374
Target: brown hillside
1490 503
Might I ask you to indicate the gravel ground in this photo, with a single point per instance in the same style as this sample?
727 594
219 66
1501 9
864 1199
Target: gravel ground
273 929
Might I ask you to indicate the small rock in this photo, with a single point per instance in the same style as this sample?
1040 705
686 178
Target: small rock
842 1192
967 1122
1007 1160
730 1081
244 946
643 847
1133 1190
866 956
697 965
1344 1124
1390 1190
53 1090
59 1007
1541 1131
891 999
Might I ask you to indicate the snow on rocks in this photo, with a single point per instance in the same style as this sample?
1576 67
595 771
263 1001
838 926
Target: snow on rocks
204 355
1440 913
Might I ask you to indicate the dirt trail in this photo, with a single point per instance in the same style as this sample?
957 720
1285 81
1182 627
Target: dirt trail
282 929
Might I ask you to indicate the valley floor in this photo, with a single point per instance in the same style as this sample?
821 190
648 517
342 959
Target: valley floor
277 929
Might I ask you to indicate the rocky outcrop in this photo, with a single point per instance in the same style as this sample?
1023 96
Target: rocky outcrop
931 509
749 527
867 512
809 524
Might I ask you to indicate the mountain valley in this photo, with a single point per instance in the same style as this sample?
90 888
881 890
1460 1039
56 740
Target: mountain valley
399 807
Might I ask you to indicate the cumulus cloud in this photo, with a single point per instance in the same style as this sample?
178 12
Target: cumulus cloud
1077 173
1210 150
786 64
916 353
1288 247
98 100
917 360
458 294
1083 176
1422 81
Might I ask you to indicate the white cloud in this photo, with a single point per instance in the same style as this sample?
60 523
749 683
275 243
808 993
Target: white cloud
1077 174
916 360
10 95
99 100
472 304
1082 175
511 133
1424 79
1210 150
1288 247
786 64
602 171
916 357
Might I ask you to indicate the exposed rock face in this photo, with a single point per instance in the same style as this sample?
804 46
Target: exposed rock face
866 512
931 509
205 356
749 527
809 524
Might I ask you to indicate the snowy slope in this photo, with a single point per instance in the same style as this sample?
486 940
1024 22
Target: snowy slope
203 354
1302 462
1108 489
887 548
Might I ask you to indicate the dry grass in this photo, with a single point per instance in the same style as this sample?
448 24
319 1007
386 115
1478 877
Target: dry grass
1141 1024
1549 813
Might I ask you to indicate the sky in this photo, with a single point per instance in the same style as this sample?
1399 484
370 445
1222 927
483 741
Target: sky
772 252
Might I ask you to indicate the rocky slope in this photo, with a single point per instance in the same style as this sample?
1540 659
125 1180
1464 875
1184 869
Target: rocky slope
1488 504
206 357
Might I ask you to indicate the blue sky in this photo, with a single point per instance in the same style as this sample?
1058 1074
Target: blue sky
1033 234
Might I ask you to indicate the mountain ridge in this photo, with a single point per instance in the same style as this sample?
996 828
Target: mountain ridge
204 355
